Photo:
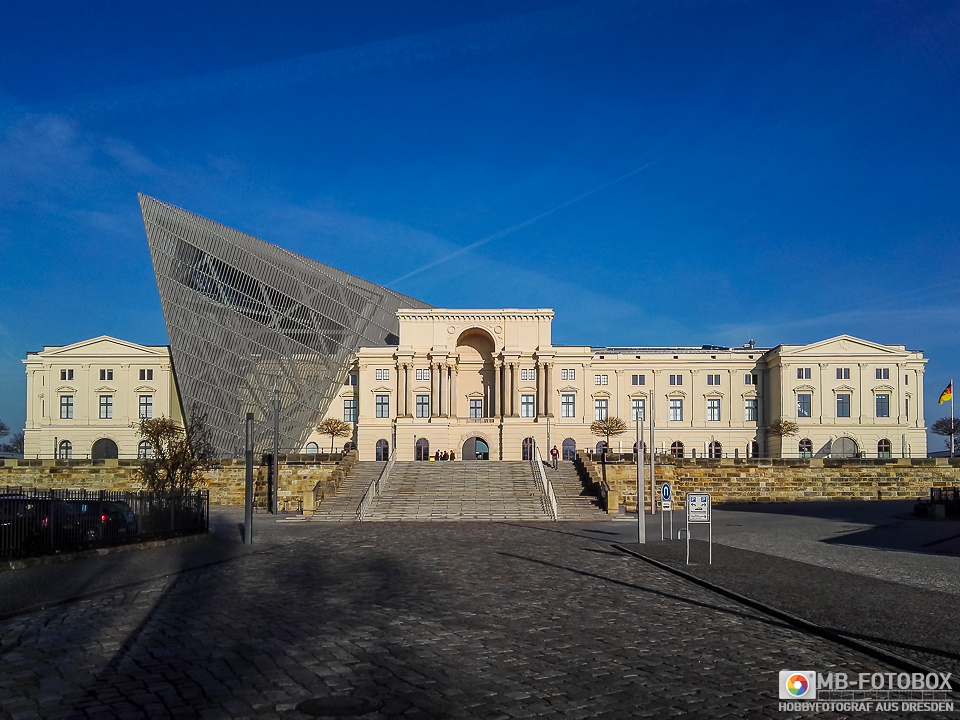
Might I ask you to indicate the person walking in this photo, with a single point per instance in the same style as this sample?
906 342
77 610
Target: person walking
555 455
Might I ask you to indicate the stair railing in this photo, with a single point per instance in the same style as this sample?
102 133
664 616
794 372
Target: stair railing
546 487
376 488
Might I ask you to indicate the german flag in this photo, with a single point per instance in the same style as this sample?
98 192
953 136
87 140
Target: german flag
948 393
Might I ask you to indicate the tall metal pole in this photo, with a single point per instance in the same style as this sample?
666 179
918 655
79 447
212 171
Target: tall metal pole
641 522
248 485
653 492
275 485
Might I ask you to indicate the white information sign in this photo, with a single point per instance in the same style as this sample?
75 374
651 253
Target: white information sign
698 508
666 504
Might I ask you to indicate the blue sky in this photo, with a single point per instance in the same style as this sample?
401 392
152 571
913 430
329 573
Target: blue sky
657 172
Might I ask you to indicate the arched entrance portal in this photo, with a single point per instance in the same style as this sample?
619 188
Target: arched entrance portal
105 448
423 449
526 449
476 449
569 449
844 447
383 450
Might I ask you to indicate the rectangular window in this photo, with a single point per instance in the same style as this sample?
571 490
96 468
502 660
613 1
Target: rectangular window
476 407
383 406
676 379
106 407
106 374
146 407
713 409
66 407
382 373
639 409
638 379
568 374
713 379
568 405
843 373
804 374
843 405
803 405
66 374
600 409
423 374
600 379
748 379
528 374
351 380
750 409
527 403
146 373
676 409
883 405
350 410
883 373
423 406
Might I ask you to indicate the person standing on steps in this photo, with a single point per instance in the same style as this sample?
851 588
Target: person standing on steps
555 455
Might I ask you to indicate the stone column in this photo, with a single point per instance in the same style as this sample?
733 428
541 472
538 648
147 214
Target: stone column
444 392
401 390
435 388
541 395
547 391
513 389
497 392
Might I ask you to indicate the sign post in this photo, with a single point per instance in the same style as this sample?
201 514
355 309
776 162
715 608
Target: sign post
248 484
699 511
666 506
641 520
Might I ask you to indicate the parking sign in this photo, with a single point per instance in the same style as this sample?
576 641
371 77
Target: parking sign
698 508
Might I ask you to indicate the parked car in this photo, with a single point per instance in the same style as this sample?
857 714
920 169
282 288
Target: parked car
105 519
32 524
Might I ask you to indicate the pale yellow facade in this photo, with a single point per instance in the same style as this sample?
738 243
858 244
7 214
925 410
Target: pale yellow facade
494 375
86 399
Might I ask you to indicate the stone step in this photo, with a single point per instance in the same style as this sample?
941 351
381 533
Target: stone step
343 506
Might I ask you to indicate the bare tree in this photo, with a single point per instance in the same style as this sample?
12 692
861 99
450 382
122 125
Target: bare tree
16 443
948 426
4 429
178 454
335 427
608 428
783 428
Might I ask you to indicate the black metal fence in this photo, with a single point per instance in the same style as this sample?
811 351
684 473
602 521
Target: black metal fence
949 497
36 522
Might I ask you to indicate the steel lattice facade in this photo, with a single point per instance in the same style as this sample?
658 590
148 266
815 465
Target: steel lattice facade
251 324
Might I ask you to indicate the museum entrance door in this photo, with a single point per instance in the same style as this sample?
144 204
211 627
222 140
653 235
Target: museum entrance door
476 449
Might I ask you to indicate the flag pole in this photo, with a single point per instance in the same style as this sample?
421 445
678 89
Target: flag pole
952 421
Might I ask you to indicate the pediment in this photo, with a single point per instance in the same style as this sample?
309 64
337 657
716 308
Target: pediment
382 389
805 389
568 389
842 345
676 393
105 389
882 388
144 389
844 388
66 389
106 346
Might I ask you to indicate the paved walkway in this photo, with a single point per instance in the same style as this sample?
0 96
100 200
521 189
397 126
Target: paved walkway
478 620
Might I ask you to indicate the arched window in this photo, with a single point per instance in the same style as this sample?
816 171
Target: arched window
526 450
349 446
312 448
883 448
642 445
676 449
569 449
601 447
383 450
806 448
144 450
753 449
66 450
422 451
714 450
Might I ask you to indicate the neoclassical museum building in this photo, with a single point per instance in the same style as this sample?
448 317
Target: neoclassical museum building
255 328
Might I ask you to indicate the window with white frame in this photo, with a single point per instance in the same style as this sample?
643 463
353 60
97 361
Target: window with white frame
383 406
382 373
349 410
568 406
676 379
883 373
750 409
713 379
713 409
568 374
146 407
423 374
66 374
843 373
883 405
803 373
638 409
600 407
144 450
600 379
106 374
66 407
106 407
423 406
146 373
476 407
527 403
843 405
638 379
676 409
351 380
803 405
528 374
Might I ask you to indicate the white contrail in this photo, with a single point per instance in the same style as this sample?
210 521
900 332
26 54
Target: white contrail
525 223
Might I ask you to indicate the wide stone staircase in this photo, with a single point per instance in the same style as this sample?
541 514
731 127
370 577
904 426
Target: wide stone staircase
573 499
482 490
343 505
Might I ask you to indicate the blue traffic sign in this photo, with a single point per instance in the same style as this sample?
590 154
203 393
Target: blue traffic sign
665 492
